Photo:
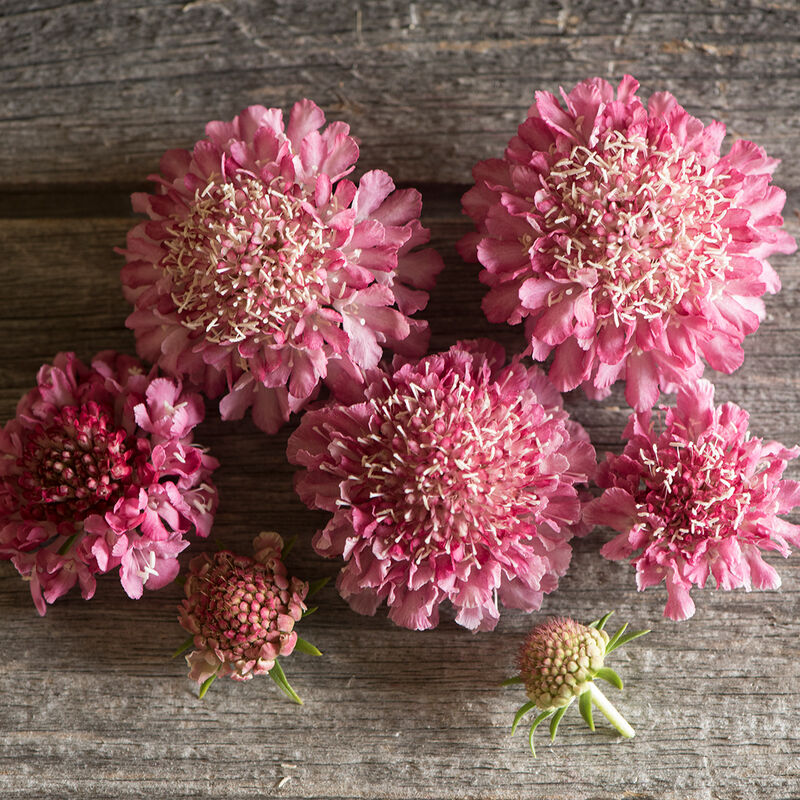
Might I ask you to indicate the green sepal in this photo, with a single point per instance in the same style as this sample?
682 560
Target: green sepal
556 719
585 707
521 712
599 624
288 544
608 674
64 549
509 681
309 611
618 640
279 676
306 647
316 586
541 718
205 686
184 647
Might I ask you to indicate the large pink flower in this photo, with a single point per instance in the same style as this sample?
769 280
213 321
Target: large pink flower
262 271
627 244
700 498
454 480
98 471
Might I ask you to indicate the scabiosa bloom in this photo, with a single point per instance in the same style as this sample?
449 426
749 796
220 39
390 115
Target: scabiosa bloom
558 663
263 271
627 244
98 471
700 498
241 613
454 480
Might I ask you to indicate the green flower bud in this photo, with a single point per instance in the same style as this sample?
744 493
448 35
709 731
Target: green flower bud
573 653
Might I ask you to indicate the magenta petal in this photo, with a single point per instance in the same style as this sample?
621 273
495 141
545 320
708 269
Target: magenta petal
679 605
615 508
642 390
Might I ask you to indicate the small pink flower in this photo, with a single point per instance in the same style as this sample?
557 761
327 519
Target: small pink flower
631 249
454 480
701 498
241 612
263 271
98 471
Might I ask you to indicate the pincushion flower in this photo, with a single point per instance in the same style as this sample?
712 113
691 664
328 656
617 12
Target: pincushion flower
558 663
629 246
262 271
699 499
98 471
454 480
241 613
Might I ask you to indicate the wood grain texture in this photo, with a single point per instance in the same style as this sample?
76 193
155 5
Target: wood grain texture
91 705
429 87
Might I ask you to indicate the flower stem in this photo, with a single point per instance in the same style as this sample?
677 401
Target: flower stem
610 713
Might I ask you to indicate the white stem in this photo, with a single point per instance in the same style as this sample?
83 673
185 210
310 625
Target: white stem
610 713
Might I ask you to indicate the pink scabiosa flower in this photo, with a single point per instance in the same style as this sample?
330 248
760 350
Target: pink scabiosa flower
98 471
454 480
699 499
631 249
262 271
241 613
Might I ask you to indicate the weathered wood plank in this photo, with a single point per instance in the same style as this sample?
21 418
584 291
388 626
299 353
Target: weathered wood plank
429 88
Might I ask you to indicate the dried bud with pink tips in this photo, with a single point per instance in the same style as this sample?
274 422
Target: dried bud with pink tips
241 612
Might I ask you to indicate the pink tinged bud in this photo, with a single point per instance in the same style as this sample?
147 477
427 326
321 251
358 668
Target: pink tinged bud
233 603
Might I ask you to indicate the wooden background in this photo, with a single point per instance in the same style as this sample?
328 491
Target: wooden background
91 706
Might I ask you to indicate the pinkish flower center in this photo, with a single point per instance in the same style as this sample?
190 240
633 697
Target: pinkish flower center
435 467
246 260
241 605
695 491
639 227
76 465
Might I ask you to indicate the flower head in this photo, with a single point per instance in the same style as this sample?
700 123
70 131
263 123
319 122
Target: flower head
98 471
558 660
627 244
454 480
241 612
558 664
699 499
262 271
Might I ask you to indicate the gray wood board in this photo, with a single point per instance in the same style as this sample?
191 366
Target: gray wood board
97 90
91 705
